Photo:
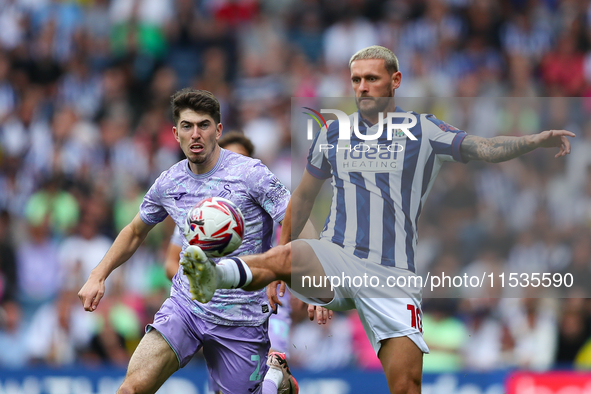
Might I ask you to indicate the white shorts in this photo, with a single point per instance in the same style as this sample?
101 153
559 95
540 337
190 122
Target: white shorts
382 317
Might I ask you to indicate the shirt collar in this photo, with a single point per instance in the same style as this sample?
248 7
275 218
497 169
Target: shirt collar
210 172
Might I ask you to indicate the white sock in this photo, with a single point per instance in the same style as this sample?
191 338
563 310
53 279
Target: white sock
274 375
233 273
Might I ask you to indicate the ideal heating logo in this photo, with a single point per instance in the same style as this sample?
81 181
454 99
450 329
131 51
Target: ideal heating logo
392 129
365 156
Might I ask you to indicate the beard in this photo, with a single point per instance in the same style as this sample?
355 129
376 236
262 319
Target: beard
197 158
370 107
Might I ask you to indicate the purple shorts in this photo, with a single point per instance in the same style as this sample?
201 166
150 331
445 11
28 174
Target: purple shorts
236 356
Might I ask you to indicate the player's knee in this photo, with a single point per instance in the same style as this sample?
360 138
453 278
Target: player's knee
283 260
406 385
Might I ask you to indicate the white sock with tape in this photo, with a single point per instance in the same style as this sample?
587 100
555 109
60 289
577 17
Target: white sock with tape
233 273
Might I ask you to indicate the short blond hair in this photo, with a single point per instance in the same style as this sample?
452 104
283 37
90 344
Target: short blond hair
377 52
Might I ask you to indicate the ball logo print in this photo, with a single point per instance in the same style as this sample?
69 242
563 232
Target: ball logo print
216 225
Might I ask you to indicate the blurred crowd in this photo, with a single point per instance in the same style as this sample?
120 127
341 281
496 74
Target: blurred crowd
85 129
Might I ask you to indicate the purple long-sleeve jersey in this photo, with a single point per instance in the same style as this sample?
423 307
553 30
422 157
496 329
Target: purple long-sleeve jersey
261 197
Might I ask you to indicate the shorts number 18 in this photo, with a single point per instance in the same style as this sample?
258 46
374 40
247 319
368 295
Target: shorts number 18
415 317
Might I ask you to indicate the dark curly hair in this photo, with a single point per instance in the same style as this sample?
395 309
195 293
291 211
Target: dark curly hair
196 100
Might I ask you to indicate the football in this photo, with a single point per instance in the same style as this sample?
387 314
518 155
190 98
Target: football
216 225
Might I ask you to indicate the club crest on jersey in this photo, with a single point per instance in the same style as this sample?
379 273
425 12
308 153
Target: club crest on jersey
226 192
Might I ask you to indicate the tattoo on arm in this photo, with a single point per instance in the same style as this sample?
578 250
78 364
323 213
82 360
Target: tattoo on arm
496 149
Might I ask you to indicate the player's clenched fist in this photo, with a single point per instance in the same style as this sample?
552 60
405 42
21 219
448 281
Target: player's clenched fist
91 293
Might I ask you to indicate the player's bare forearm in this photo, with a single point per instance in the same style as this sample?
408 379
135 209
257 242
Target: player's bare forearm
171 264
299 208
495 149
296 223
498 149
285 236
126 243
124 246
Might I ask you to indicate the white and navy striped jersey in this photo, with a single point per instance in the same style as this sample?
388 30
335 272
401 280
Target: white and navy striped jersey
380 186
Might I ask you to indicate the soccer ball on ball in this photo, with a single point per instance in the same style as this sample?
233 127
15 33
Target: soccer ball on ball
216 225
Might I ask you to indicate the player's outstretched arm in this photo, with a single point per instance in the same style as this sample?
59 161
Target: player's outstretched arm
299 207
498 149
124 246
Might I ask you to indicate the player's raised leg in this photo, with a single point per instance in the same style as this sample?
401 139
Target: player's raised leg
205 276
250 272
275 264
151 364
402 361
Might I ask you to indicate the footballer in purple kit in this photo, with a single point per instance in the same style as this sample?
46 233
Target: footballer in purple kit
232 328
279 322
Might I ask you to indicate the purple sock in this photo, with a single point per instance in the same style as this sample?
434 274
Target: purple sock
269 387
